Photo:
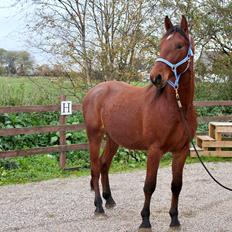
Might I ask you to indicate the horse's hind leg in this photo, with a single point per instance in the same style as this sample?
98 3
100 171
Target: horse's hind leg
106 159
177 173
95 138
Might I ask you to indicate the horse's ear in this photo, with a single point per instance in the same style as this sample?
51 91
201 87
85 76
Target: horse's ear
168 24
184 24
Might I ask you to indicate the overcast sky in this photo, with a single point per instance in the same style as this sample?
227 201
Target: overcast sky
12 28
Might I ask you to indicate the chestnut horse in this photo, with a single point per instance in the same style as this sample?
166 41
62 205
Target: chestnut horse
145 118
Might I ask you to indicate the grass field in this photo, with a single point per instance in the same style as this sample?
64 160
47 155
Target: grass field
40 90
35 91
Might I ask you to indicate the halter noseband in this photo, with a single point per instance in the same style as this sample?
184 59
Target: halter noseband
174 67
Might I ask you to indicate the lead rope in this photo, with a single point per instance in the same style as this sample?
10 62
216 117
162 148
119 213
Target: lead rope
188 133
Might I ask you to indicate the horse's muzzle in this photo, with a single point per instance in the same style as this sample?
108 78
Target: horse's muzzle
158 81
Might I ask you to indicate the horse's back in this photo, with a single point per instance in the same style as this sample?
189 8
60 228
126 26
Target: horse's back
109 87
98 95
113 105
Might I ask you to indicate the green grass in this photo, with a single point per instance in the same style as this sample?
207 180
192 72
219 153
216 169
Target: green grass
45 167
35 91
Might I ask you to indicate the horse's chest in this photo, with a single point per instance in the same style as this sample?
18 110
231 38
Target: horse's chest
167 131
177 138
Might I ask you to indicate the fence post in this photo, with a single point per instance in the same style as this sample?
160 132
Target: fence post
62 121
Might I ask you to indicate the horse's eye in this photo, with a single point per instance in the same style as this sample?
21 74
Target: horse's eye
179 46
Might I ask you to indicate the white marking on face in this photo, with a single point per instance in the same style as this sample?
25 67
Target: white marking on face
169 37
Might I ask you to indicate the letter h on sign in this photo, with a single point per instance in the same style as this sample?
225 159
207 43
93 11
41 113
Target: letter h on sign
66 107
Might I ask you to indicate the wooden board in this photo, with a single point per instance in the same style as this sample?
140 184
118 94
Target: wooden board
211 153
223 129
216 128
218 144
212 103
41 129
221 123
44 150
207 119
35 108
205 138
201 138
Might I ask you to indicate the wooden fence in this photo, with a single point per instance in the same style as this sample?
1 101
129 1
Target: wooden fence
62 128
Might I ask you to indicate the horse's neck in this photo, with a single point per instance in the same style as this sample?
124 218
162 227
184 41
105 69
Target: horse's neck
186 89
186 92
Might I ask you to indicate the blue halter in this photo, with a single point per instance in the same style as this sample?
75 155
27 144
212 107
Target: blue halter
174 67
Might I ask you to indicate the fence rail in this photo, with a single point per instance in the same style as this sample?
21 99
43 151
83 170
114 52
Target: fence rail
44 150
62 128
37 108
41 129
212 103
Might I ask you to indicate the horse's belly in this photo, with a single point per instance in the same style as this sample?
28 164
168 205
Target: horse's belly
130 143
126 135
125 127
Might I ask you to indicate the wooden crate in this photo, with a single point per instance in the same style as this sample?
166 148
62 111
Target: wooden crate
215 144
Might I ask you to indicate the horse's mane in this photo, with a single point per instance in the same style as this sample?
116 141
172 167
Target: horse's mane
176 28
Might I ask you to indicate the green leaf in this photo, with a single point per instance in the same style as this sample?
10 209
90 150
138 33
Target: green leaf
54 139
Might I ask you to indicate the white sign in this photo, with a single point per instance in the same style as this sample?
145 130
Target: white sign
66 108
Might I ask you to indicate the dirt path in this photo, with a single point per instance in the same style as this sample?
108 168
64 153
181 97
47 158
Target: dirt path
67 204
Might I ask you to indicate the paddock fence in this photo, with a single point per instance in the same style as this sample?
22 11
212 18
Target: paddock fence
63 127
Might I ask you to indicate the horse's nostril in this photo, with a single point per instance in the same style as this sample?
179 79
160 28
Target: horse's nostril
158 79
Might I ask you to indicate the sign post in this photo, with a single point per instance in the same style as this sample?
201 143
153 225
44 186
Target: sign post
65 109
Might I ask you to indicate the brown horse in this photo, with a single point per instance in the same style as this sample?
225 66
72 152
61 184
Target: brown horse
144 118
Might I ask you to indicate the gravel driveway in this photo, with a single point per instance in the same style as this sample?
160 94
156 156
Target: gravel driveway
67 204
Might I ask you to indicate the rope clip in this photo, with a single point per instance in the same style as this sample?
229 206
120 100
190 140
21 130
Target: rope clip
177 94
178 98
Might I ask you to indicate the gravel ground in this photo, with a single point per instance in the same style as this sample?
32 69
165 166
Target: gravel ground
67 204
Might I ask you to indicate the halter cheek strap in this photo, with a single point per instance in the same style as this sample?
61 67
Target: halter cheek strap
174 67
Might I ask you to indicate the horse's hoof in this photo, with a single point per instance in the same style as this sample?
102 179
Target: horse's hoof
145 230
110 203
145 227
99 211
175 223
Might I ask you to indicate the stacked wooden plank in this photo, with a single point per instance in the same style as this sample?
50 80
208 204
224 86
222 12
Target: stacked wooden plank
218 143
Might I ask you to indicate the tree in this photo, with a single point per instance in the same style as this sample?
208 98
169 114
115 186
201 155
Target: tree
92 36
210 24
115 39
15 63
218 37
2 61
24 63
43 70
59 27
119 27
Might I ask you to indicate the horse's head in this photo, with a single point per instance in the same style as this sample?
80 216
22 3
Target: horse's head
175 47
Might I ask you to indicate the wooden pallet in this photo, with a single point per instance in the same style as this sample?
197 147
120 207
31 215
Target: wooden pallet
218 143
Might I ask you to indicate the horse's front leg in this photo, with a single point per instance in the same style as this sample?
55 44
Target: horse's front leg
177 174
153 160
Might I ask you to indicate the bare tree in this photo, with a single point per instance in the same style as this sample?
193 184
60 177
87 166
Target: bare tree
122 29
115 39
59 27
110 37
